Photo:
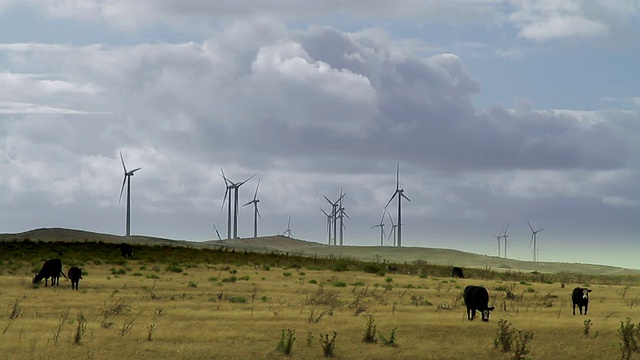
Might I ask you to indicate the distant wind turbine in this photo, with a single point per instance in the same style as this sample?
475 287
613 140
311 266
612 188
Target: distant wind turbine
256 212
505 236
393 230
231 186
127 180
329 217
334 213
400 193
499 236
534 238
287 232
381 226
341 215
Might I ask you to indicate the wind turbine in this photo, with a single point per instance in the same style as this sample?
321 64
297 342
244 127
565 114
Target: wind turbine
381 226
127 180
505 236
534 238
341 215
393 230
499 236
400 193
256 212
287 232
329 216
334 213
231 186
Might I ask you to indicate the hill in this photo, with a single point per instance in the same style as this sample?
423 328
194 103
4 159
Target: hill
367 253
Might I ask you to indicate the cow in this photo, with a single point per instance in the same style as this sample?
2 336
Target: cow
51 268
74 274
580 297
457 272
477 298
125 250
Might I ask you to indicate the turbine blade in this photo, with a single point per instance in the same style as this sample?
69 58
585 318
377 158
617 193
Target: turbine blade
392 196
122 159
398 177
507 228
122 189
530 227
258 212
134 170
405 196
255 195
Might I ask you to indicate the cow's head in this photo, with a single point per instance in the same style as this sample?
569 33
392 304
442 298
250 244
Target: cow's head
485 313
585 293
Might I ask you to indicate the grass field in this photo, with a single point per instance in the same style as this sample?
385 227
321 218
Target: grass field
198 307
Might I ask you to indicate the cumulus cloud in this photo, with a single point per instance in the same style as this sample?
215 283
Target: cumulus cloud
311 110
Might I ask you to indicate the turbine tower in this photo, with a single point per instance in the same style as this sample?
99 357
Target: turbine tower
381 226
329 217
341 215
400 193
534 238
256 212
127 180
499 236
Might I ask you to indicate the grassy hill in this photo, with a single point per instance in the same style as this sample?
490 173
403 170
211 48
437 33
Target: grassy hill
300 247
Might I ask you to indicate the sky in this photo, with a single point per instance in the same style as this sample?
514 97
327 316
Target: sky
495 111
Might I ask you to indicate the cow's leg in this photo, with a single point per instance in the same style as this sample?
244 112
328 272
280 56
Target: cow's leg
574 308
586 306
473 314
46 280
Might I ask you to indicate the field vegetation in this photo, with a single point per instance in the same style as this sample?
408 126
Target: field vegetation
175 302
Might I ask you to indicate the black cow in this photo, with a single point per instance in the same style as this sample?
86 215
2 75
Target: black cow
51 268
580 297
74 274
457 272
477 298
125 250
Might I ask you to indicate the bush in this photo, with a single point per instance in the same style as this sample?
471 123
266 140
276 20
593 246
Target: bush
328 345
285 345
370 333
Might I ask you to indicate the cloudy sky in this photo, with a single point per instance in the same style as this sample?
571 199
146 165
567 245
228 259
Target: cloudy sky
495 110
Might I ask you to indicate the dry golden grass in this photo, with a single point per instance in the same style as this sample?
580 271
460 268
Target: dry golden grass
203 322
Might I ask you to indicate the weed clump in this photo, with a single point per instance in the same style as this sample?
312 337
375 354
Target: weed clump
285 345
628 334
328 345
370 333
391 341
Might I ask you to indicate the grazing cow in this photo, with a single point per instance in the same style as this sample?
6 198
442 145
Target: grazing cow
125 250
477 298
74 274
457 272
51 268
580 297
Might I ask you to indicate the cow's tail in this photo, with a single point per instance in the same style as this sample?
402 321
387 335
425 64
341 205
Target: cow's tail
65 276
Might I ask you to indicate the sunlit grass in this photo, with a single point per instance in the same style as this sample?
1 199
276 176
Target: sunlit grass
209 321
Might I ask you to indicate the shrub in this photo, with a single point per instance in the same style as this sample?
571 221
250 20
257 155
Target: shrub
521 347
340 284
328 345
285 345
313 281
392 338
504 336
629 334
370 333
173 268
